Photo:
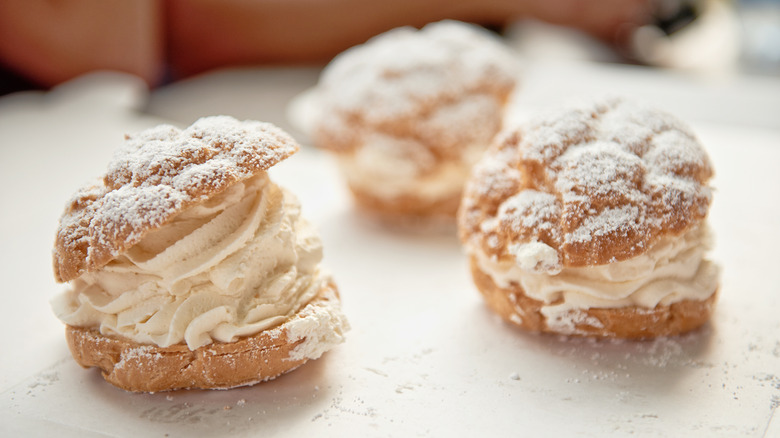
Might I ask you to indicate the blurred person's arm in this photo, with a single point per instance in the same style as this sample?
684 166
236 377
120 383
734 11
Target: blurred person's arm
53 41
204 34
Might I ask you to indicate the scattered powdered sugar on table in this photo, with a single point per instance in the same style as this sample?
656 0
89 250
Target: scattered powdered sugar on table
662 352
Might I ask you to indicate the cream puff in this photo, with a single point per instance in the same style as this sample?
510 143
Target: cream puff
407 114
187 267
592 220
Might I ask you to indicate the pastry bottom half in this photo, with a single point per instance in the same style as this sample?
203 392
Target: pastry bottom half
631 322
148 368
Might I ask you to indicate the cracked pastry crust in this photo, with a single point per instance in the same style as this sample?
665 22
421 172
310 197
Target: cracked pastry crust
599 184
149 368
591 186
142 191
412 109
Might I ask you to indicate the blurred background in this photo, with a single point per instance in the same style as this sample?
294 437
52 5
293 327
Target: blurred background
46 42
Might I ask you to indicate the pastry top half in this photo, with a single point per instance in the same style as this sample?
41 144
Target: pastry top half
586 185
186 240
411 83
157 174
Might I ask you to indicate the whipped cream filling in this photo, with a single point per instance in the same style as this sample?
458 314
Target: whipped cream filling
389 167
673 270
446 181
234 265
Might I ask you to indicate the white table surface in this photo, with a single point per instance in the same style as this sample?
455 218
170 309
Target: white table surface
424 357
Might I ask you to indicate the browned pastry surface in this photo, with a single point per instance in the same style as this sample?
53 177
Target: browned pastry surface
409 108
598 183
407 206
631 322
348 129
149 368
159 173
417 85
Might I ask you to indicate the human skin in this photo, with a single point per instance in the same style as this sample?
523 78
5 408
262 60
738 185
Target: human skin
50 42
313 31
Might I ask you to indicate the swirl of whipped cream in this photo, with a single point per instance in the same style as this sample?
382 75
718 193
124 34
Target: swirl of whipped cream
234 265
672 270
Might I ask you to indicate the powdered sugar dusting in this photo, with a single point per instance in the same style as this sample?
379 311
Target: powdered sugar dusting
608 221
496 178
529 209
394 73
141 354
615 175
549 135
440 90
601 168
155 175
